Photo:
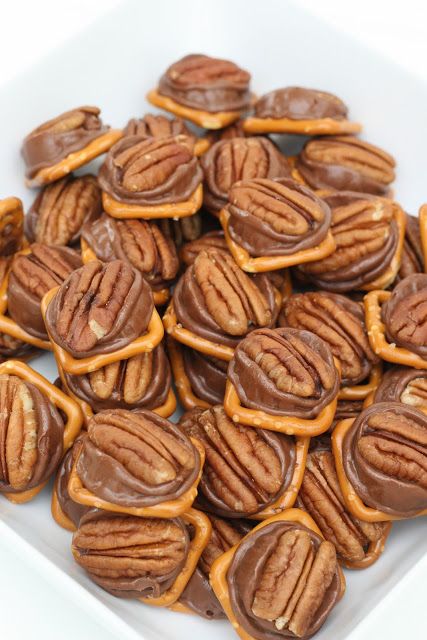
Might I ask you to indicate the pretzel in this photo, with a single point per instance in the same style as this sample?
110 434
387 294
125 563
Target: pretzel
361 391
204 119
160 297
286 289
79 367
11 222
76 159
61 401
308 127
353 503
374 551
201 146
377 337
270 263
9 326
423 231
182 383
167 509
59 516
219 570
190 339
174 210
178 607
287 499
202 533
288 425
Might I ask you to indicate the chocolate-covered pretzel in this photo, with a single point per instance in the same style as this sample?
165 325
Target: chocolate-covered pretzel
31 276
136 459
384 454
99 309
340 322
245 470
284 372
31 435
404 314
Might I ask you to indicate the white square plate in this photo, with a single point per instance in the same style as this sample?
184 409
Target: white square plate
113 64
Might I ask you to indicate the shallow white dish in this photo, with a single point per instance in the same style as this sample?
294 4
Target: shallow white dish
112 65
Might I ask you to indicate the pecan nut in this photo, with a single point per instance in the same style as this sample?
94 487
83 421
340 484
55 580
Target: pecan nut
158 126
320 495
295 581
346 163
298 103
131 557
141 459
60 210
218 301
366 239
284 372
404 314
100 308
150 171
183 230
55 139
141 382
229 161
210 240
31 434
404 384
210 84
272 218
138 242
32 275
385 458
245 470
340 322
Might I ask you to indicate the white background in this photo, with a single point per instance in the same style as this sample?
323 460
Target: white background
30 607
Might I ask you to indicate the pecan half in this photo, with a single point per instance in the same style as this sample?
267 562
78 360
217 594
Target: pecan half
229 161
30 447
32 275
385 458
404 314
211 84
128 556
284 372
321 496
210 240
366 239
183 230
150 171
158 126
141 459
59 211
246 469
294 582
100 308
225 534
340 322
346 163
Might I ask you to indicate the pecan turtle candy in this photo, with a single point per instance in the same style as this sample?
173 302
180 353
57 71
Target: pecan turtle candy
131 557
198 596
136 459
366 230
359 544
31 276
65 143
229 161
246 470
285 373
280 220
150 178
139 242
302 111
217 304
58 213
65 511
340 322
345 163
381 461
99 309
295 580
412 254
404 315
210 92
31 436
140 382
404 384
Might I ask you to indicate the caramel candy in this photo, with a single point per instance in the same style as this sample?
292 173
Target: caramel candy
345 163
